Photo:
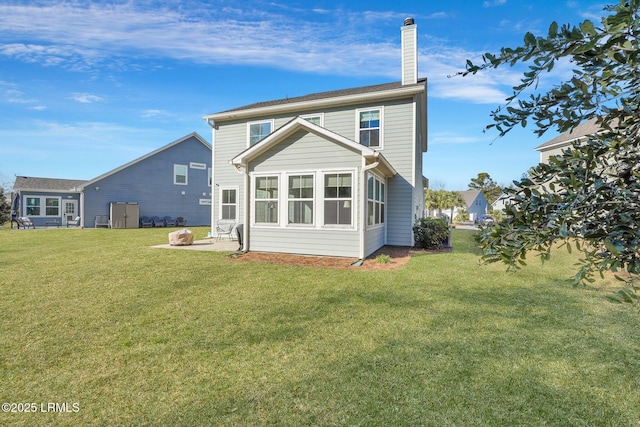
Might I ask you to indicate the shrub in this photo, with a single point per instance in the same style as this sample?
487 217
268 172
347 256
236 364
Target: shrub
431 233
383 259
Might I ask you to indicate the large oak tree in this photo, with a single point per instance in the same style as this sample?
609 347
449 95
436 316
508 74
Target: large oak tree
589 197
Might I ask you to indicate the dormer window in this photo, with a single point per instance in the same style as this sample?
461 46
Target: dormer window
369 127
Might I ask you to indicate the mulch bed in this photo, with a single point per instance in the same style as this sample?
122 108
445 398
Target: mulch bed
400 256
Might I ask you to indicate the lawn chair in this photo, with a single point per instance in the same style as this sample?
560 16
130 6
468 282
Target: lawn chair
181 222
75 222
169 222
157 222
102 221
25 222
145 222
225 226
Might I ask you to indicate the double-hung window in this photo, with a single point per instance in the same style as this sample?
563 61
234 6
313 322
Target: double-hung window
301 199
369 126
266 199
33 206
228 203
42 206
259 130
375 201
180 174
338 198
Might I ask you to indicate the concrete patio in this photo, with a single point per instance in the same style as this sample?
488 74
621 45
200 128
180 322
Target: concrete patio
222 245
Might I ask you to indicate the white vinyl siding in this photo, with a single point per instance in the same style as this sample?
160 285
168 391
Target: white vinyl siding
304 153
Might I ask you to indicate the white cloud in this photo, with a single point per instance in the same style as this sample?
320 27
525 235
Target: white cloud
124 35
449 138
493 3
154 113
86 98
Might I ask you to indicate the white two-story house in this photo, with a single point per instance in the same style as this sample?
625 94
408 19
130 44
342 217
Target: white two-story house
334 173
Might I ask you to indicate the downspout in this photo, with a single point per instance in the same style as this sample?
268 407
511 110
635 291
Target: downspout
82 216
212 124
247 200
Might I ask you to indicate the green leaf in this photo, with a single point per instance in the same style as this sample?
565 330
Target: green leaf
529 39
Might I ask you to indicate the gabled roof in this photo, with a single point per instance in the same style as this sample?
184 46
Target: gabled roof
320 99
470 196
146 156
589 127
47 184
299 123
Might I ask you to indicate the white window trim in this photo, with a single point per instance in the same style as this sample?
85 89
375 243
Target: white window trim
354 198
283 200
220 200
43 206
253 200
309 116
314 199
270 121
186 177
210 176
384 204
357 126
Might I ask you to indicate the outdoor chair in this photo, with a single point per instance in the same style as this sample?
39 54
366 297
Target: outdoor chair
181 222
75 222
157 222
145 222
25 222
169 222
102 221
225 226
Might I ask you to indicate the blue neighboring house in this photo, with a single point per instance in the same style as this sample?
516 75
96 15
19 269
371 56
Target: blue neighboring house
174 180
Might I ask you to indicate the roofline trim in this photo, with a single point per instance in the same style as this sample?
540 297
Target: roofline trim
319 103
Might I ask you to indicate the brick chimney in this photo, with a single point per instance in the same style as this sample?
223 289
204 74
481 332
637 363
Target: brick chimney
409 33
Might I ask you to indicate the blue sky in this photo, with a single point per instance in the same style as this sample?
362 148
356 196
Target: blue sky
87 86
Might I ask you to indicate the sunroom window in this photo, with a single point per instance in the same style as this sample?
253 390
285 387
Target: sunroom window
337 199
301 199
266 199
375 201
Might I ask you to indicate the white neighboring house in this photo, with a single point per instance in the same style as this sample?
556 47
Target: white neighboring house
334 173
563 141
501 202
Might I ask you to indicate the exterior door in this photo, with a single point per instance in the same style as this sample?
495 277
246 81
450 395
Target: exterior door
69 210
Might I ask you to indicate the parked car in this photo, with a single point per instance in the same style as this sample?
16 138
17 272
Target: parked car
484 220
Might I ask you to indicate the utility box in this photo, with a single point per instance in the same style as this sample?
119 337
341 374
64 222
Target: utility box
124 214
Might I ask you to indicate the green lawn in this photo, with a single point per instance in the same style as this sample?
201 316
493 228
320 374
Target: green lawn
143 336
